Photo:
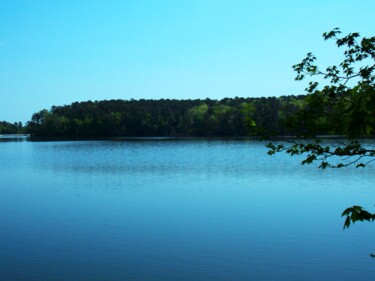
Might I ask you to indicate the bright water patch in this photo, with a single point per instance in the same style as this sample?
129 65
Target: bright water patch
177 210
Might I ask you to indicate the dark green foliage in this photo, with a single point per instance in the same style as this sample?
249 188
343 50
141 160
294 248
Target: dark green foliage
11 128
344 107
166 118
351 153
356 213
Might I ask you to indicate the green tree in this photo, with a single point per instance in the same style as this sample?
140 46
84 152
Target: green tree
229 117
11 128
343 106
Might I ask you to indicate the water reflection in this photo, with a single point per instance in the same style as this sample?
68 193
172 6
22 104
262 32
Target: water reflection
13 138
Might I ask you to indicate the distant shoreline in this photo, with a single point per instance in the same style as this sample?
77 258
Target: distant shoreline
31 138
14 135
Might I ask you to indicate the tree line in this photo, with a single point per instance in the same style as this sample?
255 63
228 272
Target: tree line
229 117
11 128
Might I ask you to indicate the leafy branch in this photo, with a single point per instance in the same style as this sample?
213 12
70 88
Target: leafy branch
356 213
317 152
344 109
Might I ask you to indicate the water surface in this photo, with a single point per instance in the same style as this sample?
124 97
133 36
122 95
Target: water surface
177 210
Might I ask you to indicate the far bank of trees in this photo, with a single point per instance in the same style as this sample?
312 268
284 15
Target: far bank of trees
229 117
11 128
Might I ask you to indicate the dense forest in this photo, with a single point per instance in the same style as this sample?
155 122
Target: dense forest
167 118
11 128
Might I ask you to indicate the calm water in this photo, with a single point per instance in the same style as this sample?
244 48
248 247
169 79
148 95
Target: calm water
177 210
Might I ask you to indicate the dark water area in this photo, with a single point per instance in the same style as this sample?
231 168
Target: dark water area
178 210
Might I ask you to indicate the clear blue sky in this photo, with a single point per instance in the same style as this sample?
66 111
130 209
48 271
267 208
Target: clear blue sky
57 52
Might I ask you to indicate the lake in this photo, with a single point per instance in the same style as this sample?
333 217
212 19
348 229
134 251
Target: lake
190 209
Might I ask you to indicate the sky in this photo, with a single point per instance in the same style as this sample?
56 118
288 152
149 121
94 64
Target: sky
58 52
